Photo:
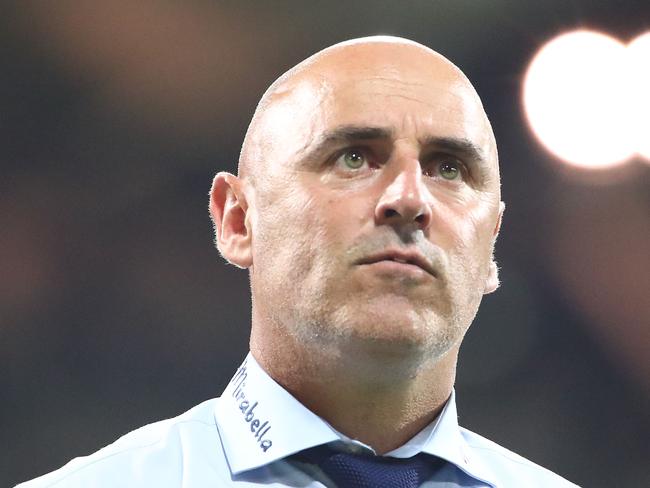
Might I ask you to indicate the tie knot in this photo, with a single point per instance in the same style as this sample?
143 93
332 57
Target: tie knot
369 471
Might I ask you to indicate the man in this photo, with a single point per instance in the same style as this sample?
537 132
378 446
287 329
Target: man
366 209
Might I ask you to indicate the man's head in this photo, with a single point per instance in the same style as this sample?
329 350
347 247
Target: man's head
367 203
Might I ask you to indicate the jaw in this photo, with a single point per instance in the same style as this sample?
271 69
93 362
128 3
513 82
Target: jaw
384 336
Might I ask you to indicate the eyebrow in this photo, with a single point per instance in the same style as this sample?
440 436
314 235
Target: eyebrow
464 148
457 145
346 134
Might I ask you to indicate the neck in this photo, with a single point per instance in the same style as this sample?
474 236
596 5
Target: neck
380 398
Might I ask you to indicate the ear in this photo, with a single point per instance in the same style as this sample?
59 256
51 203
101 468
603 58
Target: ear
229 212
492 282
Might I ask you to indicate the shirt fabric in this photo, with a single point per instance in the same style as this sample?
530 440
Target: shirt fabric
245 439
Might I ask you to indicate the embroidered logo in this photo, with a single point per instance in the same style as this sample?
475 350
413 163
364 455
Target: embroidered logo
247 407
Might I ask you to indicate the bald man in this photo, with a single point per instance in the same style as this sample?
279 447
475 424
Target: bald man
366 208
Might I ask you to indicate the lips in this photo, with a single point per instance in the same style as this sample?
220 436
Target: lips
400 256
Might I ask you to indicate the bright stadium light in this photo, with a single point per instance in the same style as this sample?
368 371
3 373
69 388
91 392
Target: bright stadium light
639 61
577 97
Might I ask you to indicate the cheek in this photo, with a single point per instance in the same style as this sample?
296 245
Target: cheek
472 228
276 237
469 258
293 233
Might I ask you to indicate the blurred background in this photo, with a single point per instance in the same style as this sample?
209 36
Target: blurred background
116 310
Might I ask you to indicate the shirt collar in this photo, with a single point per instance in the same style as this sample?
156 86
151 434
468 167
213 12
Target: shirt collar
260 422
443 438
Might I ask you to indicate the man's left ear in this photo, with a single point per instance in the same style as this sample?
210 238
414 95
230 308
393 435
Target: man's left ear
492 281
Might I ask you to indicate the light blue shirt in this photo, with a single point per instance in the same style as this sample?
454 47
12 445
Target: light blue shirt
243 439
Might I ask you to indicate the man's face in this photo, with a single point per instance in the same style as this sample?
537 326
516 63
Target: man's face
374 213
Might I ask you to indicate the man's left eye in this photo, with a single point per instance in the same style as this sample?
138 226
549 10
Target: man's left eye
447 168
450 169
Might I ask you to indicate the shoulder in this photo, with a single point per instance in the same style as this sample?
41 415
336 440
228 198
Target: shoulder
153 455
504 464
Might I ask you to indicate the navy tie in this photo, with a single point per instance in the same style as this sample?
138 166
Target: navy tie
370 471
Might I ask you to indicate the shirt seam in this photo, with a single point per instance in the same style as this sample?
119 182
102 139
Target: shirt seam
511 457
521 461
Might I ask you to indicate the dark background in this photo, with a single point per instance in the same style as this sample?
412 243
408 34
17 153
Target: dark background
116 310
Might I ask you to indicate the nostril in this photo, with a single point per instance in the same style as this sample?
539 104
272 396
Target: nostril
420 219
389 212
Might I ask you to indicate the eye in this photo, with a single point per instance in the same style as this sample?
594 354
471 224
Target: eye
450 169
445 166
352 159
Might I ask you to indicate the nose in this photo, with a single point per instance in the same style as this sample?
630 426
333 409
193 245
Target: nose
405 200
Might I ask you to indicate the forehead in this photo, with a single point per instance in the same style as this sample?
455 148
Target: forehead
408 106
413 95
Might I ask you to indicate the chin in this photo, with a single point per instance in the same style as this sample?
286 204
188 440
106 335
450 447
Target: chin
394 330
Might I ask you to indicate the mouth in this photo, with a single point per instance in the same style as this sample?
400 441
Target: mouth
401 258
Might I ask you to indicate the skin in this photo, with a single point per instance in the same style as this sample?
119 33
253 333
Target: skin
370 146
